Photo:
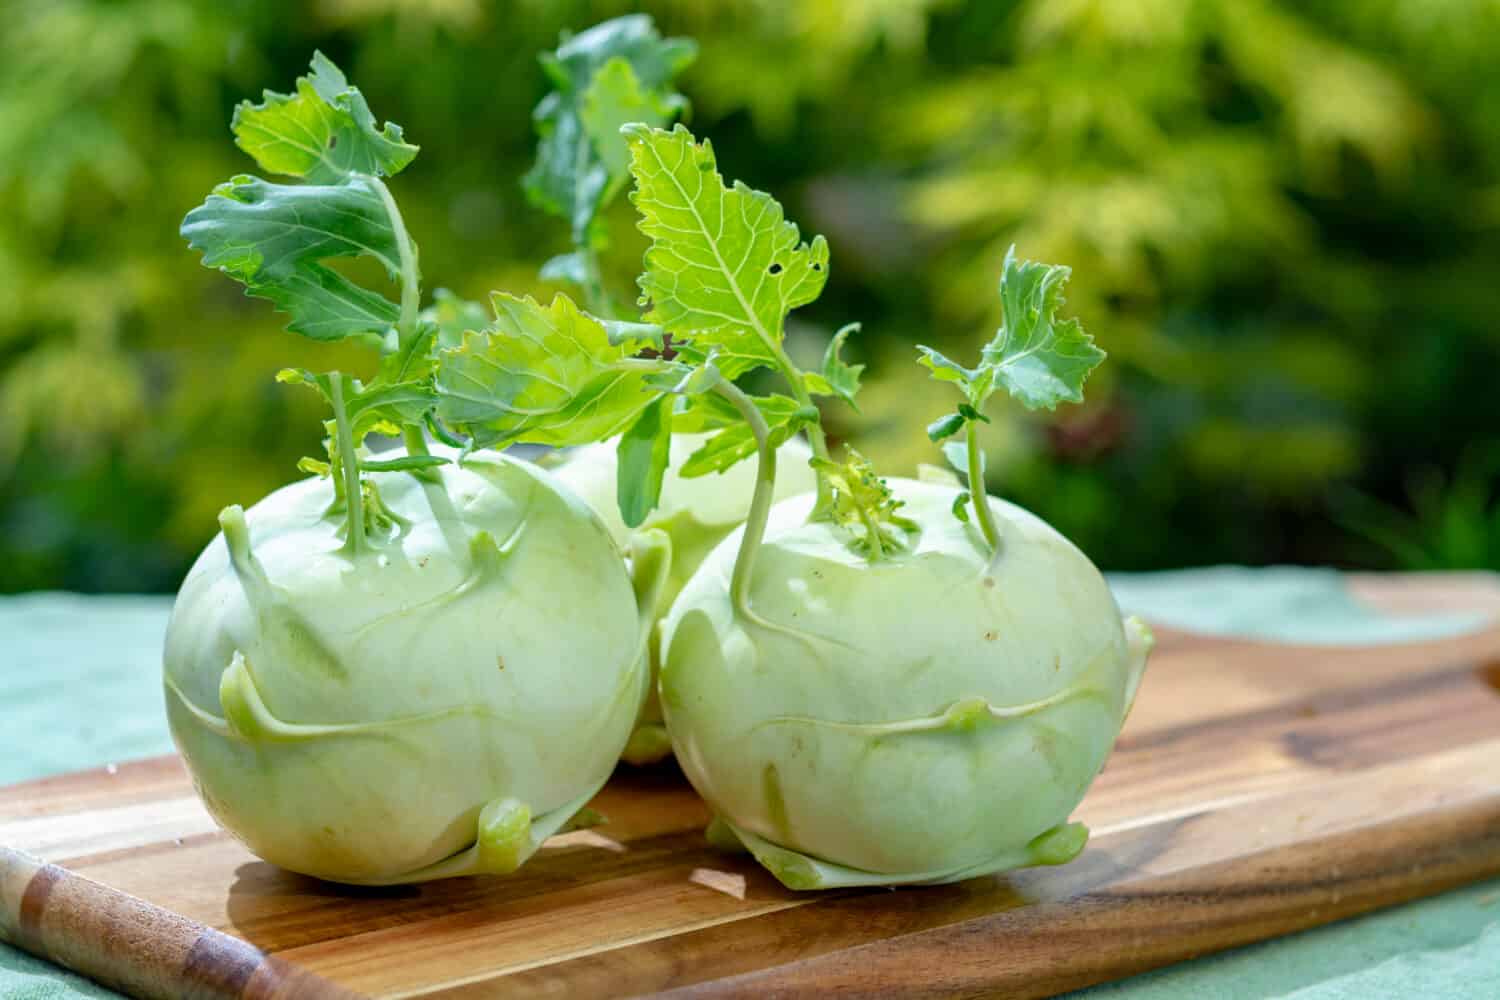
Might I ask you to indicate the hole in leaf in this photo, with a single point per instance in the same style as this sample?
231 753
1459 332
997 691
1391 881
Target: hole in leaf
775 268
333 140
817 267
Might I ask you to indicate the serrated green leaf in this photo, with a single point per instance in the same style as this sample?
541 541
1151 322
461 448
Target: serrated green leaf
616 72
272 236
643 454
540 374
322 133
946 426
1040 359
736 442
842 379
724 267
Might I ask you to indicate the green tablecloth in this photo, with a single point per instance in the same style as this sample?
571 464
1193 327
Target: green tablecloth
78 688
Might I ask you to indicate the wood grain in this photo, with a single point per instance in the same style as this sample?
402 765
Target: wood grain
1258 789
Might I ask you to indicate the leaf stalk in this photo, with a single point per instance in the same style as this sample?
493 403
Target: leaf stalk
978 495
348 464
760 500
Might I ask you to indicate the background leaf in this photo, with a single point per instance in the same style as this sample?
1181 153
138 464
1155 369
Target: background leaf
1281 219
615 72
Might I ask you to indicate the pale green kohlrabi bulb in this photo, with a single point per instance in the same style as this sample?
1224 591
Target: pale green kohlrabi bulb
436 705
695 513
931 716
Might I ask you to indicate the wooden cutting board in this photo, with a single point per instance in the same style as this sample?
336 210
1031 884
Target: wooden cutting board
1258 789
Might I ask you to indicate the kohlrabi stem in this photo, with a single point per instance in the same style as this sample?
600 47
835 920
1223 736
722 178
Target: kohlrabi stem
348 467
760 500
411 299
978 495
815 435
414 439
411 290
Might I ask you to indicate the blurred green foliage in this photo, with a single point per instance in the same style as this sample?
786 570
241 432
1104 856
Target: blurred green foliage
1283 220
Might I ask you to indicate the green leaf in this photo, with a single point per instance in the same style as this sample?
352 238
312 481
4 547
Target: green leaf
643 453
569 267
1039 358
324 305
724 267
842 379
961 506
272 236
324 132
946 426
400 403
615 98
945 369
969 413
542 374
616 72
412 362
736 442
686 380
635 336
454 316
657 61
957 454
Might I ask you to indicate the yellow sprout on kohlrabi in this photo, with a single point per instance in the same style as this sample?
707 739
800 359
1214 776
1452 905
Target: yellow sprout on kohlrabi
887 681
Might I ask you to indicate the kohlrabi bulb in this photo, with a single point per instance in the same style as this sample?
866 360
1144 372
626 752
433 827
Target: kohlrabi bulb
695 513
932 715
436 704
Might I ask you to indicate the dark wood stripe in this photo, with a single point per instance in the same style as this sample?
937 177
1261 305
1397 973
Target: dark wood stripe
34 904
219 966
